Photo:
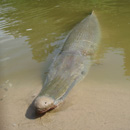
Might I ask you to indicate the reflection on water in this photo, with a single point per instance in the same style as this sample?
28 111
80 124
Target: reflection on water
31 30
42 22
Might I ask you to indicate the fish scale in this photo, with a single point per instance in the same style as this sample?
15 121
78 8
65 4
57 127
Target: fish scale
71 65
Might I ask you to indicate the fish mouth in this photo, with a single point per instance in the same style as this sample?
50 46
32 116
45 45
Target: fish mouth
43 104
44 110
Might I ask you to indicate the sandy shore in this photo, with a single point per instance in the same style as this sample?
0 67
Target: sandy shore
100 102
91 105
28 37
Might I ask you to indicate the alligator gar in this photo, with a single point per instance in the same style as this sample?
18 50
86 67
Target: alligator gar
70 65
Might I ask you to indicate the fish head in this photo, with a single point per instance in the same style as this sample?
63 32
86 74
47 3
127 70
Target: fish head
44 104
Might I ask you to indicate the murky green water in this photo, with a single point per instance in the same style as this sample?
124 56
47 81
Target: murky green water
32 30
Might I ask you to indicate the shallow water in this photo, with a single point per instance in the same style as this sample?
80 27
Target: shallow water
32 32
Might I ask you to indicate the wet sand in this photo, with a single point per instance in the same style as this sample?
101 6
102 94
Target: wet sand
30 32
90 106
96 103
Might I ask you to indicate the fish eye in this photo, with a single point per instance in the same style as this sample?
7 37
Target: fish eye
45 102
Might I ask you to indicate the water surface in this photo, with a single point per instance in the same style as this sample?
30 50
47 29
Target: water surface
32 32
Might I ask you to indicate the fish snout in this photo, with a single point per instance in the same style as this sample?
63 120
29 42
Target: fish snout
44 104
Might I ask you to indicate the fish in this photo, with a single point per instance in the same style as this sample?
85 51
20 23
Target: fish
71 65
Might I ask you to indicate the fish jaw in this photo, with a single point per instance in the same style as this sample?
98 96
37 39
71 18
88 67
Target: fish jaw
44 104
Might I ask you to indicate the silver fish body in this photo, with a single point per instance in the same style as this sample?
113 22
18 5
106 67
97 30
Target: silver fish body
71 64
